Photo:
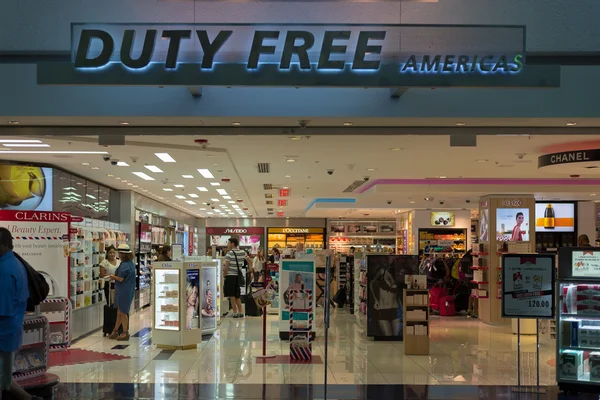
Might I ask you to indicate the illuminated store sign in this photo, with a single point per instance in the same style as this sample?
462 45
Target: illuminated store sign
333 48
298 55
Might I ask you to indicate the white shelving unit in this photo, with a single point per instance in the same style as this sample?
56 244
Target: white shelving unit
32 358
58 313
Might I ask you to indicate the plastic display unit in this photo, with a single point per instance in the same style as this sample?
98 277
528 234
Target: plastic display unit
32 358
58 313
416 329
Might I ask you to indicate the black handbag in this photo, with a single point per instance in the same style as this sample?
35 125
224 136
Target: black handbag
240 275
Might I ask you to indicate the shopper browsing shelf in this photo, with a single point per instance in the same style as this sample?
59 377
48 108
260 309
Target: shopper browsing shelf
164 253
124 290
108 267
275 256
14 292
232 270
257 265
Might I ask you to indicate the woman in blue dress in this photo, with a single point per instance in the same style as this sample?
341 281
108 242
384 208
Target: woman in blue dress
124 291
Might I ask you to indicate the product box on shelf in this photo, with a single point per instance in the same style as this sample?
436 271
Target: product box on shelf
595 367
571 364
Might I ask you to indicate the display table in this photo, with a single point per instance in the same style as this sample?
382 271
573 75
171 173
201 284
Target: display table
184 301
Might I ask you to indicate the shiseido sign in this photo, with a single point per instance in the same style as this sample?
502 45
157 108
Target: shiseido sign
235 231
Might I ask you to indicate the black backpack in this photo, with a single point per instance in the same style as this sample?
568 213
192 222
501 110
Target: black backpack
38 286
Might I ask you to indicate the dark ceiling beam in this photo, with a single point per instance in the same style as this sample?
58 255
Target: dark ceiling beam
290 130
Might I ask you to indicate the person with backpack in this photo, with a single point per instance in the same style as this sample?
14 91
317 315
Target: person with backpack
14 295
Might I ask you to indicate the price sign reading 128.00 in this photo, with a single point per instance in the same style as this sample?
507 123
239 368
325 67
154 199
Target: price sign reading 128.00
528 286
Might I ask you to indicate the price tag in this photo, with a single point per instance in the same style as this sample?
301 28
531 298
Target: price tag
528 288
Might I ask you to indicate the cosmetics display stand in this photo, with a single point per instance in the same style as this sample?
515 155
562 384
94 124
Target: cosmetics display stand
416 321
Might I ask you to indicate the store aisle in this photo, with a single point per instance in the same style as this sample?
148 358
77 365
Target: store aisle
463 352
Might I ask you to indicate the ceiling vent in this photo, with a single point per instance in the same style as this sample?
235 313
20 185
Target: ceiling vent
353 186
269 209
269 202
268 195
264 168
268 186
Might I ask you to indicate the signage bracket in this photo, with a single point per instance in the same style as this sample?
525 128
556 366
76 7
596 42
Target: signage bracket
397 92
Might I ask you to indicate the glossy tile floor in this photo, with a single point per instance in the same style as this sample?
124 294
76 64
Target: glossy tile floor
463 352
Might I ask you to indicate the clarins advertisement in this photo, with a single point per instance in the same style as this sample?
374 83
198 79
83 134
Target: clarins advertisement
555 217
26 188
208 296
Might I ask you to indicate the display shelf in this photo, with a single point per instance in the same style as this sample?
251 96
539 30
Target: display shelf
58 313
483 254
480 297
32 358
416 330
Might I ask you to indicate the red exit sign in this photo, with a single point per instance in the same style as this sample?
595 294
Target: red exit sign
282 203
284 192
280 214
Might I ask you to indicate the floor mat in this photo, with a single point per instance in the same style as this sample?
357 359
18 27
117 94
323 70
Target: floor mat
80 356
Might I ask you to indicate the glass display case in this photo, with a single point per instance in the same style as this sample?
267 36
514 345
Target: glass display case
167 299
184 302
578 319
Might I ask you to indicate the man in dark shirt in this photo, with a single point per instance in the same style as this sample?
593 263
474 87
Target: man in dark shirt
583 241
14 292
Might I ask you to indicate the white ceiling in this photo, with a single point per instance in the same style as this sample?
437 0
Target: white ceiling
350 157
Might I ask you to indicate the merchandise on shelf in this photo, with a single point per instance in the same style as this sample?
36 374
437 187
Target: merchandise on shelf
442 240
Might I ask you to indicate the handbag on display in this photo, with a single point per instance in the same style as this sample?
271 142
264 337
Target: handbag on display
240 275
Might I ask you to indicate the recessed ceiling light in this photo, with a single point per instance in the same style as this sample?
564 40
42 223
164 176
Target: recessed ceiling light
215 200
295 137
227 197
190 202
26 145
395 149
461 123
117 178
482 161
236 123
231 202
348 123
202 189
130 184
124 123
178 186
371 169
193 195
412 202
442 177
290 160
153 168
222 191
144 176
165 157
203 209
167 189
110 175
85 164
122 164
592 194
95 167
180 197
50 152
288 176
13 122
571 123
210 213
19 141
206 173
124 181
188 176
135 186
215 184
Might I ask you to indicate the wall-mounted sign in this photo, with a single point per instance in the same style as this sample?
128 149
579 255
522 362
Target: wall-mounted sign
296 230
555 217
296 55
528 286
512 224
512 203
569 157
24 187
235 231
443 219
585 263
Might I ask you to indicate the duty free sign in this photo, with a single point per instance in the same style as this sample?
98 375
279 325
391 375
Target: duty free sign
297 55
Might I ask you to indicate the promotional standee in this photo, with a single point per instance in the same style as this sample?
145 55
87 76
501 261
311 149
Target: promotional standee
385 291
294 275
528 290
578 319
184 301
